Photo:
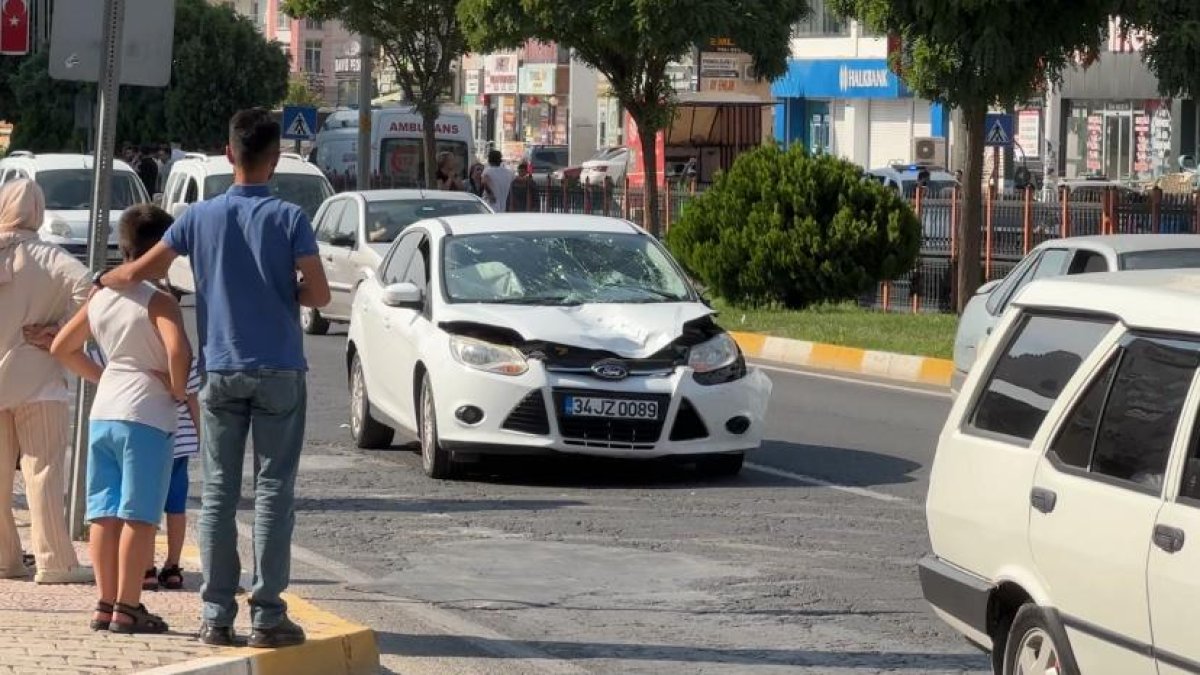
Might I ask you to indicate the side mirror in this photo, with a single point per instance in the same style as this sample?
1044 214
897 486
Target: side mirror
403 296
342 241
178 210
988 287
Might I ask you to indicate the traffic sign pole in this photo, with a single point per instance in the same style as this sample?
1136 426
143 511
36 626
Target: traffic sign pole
102 164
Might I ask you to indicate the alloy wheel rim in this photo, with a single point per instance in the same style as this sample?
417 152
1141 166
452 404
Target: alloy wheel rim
1037 654
427 426
357 399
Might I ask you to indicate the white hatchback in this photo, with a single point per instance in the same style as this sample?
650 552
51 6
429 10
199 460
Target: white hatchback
1064 500
540 333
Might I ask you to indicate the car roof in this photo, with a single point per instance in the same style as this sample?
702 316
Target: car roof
1127 243
54 161
411 195
218 165
1167 300
511 223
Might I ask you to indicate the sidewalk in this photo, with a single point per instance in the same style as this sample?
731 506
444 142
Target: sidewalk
44 629
900 367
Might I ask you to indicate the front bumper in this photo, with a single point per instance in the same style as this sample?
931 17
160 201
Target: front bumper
524 413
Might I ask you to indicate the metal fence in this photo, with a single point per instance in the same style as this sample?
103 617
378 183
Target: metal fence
1011 224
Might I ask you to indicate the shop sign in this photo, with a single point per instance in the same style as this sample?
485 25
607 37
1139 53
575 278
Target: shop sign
1125 40
500 74
636 174
850 78
682 77
724 45
1095 136
1029 133
838 78
719 67
538 79
540 52
1141 143
471 83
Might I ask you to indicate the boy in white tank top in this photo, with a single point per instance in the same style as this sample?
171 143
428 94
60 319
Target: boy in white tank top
133 419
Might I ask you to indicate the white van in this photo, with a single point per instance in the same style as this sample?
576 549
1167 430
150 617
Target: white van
396 138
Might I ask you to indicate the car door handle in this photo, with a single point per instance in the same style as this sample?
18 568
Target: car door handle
1169 539
1043 500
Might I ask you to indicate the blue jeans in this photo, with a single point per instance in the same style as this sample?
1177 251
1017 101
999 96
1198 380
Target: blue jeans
271 404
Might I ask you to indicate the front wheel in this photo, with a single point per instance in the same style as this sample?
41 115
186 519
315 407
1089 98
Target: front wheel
435 460
368 433
1036 645
312 323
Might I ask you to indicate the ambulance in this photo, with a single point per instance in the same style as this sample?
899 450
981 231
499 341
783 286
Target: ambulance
396 143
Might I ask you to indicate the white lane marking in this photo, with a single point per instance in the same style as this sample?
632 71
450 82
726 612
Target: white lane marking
482 637
933 393
810 480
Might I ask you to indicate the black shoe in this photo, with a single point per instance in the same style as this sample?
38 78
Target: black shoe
217 636
283 634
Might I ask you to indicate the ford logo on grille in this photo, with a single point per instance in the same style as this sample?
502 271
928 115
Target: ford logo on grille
610 370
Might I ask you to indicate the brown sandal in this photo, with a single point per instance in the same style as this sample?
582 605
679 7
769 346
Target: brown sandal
102 608
143 620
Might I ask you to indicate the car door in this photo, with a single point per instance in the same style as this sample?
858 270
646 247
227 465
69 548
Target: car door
326 229
1097 496
383 372
1174 560
408 328
339 265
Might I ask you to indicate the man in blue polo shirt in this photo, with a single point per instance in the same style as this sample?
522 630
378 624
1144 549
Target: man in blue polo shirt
246 248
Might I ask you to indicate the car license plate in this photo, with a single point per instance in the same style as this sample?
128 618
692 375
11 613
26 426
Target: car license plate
585 406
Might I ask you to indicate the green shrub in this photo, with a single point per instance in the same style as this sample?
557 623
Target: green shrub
789 228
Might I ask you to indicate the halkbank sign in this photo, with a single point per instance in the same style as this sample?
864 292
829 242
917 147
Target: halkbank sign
840 79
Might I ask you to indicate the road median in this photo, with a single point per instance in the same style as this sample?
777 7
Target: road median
802 353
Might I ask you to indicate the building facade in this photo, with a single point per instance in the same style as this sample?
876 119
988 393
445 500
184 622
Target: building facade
840 97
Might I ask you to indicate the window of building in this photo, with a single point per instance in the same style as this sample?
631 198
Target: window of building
821 22
312 56
282 21
1040 358
310 24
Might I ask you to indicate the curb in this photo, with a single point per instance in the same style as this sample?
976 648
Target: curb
334 646
902 367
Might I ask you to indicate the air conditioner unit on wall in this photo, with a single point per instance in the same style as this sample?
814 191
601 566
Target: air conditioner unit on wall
930 151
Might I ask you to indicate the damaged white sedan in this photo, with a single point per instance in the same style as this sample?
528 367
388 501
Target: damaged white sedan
543 333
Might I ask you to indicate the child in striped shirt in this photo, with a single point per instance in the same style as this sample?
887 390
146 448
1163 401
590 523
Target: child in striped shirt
187 445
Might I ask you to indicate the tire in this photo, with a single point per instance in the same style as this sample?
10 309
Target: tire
724 465
312 323
435 460
368 433
1037 645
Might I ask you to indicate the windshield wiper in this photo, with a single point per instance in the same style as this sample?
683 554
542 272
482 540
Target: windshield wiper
658 295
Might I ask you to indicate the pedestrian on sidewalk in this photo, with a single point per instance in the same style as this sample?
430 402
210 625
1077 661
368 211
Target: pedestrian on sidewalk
497 181
140 329
187 446
246 248
41 285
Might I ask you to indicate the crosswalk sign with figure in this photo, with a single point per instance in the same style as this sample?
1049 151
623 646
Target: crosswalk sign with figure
998 130
299 123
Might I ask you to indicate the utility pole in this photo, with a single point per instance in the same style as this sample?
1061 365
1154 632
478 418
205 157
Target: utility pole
102 163
364 112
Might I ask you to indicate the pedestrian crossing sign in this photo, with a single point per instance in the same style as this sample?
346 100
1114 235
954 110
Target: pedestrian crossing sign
299 123
998 130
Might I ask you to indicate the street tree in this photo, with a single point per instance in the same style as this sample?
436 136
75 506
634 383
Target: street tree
631 42
1172 48
421 40
977 54
299 93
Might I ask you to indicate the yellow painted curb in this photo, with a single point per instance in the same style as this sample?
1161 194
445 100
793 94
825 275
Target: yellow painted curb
902 367
335 646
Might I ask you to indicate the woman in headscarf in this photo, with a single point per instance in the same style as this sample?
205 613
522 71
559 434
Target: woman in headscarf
41 285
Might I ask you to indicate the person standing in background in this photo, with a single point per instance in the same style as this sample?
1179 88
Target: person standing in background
497 182
41 285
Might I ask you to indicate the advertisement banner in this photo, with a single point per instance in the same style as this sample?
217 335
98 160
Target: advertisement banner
636 174
538 79
471 83
500 74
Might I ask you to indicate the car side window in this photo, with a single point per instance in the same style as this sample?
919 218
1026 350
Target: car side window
328 223
1189 488
418 271
347 224
1124 425
1087 262
998 300
193 191
397 264
1052 264
1040 357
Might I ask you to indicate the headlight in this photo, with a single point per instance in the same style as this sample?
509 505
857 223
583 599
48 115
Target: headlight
59 228
717 361
488 357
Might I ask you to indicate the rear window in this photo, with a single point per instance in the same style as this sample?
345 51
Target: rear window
307 192
548 159
385 220
403 159
1169 259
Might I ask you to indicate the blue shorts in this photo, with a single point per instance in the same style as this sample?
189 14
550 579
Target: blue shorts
128 471
177 493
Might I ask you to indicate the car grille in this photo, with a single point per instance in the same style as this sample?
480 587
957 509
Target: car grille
575 360
688 425
529 417
598 432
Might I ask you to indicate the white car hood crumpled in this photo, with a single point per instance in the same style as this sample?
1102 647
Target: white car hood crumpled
631 331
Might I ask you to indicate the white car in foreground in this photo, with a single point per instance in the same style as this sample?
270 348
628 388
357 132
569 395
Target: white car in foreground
1064 498
540 333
